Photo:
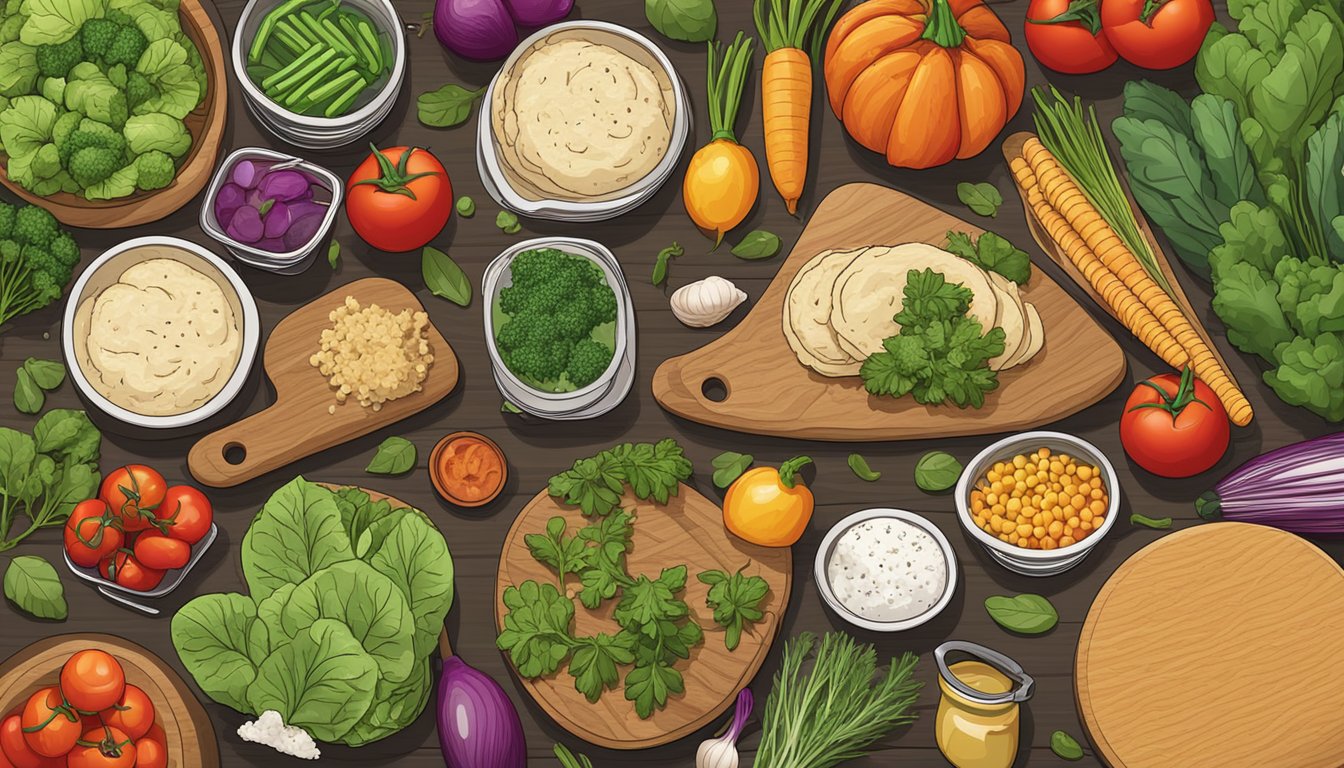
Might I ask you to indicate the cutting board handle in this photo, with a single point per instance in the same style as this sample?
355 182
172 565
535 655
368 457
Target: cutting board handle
247 449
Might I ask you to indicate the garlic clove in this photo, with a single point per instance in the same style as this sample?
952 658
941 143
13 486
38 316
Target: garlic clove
706 302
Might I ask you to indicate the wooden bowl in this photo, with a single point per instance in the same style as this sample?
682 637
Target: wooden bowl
443 490
191 739
206 125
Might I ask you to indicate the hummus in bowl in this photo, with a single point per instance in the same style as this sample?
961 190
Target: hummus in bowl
159 332
583 116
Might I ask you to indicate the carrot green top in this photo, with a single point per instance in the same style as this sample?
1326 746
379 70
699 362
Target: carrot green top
726 80
789 23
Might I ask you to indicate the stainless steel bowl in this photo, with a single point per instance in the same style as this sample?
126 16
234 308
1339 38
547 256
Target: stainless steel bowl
321 132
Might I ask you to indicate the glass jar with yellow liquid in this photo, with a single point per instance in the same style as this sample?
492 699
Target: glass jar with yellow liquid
978 717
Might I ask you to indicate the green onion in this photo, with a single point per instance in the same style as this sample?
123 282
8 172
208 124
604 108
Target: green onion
343 102
304 59
268 24
1075 139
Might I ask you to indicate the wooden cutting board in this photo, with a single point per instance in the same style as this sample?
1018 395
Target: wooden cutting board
1216 647
768 392
191 739
687 530
1012 149
297 424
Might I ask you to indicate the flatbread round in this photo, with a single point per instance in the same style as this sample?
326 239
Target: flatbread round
869 291
807 315
1012 318
1036 337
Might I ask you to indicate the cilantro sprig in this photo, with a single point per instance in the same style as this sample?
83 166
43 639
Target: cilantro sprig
595 485
736 600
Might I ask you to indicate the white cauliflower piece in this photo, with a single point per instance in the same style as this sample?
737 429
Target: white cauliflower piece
270 729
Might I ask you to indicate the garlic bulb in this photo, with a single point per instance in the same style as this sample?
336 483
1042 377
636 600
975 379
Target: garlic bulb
706 302
722 752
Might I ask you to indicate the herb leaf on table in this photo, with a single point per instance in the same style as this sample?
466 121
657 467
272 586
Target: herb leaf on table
594 485
33 585
47 374
993 253
565 554
728 466
595 662
395 456
1024 614
982 198
447 106
736 600
536 628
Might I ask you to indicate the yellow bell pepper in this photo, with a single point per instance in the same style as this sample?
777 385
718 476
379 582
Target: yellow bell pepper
770 507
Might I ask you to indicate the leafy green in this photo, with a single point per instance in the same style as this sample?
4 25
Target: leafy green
28 397
981 198
661 262
47 374
334 254
564 554
444 278
859 466
758 244
322 682
446 107
18 69
33 585
993 253
395 456
536 628
736 600
1024 614
55 21
157 131
1065 746
691 21
176 90
416 559
298 533
728 466
210 634
44 475
594 485
936 471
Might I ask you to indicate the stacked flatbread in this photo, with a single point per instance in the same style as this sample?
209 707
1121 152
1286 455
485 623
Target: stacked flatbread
840 305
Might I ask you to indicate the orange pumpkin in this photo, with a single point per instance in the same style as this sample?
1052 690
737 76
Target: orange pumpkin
923 81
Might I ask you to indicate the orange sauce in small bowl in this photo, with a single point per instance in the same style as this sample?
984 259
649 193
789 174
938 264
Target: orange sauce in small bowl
468 469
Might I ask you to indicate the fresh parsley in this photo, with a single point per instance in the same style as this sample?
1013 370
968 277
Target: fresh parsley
564 554
736 600
992 253
595 485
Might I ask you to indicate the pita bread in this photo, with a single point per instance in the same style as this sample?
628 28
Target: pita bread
807 314
1012 318
869 291
1036 334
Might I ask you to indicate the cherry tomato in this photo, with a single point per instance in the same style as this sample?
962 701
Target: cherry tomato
1174 426
160 552
134 492
1156 34
92 681
381 211
16 751
50 727
185 514
1066 36
122 567
133 715
111 749
151 750
92 533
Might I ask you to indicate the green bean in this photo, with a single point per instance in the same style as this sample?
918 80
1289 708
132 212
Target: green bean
327 54
268 25
352 31
333 87
295 29
294 66
343 102
338 38
323 75
372 40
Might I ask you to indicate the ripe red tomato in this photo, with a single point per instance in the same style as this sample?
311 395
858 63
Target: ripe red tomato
134 492
122 567
185 514
92 533
92 680
1066 36
133 715
1174 426
50 727
111 749
14 748
399 198
1156 35
160 552
151 750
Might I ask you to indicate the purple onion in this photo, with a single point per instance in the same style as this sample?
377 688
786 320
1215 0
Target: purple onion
246 226
302 229
228 200
478 724
475 29
277 220
246 173
301 208
284 185
538 13
1297 488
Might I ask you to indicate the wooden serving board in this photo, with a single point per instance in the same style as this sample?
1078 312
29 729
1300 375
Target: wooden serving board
297 424
687 530
191 739
1207 649
1079 364
205 124
1012 149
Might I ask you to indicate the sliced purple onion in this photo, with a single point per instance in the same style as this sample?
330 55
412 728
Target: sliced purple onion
302 230
247 173
230 198
285 185
1297 488
246 225
273 245
277 220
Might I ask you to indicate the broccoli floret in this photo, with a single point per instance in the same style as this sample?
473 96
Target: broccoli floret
45 287
9 251
64 126
119 17
126 49
7 212
57 59
91 134
34 226
588 361
602 304
155 170
97 35
91 165
138 89
65 250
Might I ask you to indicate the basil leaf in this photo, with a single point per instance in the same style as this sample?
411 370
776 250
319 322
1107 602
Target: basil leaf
728 466
937 471
47 374
1065 746
444 278
446 107
395 456
691 21
758 244
466 207
1024 614
859 466
33 585
334 254
1156 523
508 223
982 198
28 397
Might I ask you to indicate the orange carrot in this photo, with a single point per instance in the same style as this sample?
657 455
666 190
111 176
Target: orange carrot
785 27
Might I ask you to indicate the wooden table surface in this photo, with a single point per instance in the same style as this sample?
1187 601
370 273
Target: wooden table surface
537 450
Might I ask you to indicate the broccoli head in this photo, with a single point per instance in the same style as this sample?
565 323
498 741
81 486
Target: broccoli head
34 226
57 59
10 251
91 165
91 134
65 250
588 361
97 36
126 48
7 212
155 170
64 126
138 90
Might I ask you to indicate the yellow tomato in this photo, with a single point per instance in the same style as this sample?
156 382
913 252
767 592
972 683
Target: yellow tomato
769 506
721 186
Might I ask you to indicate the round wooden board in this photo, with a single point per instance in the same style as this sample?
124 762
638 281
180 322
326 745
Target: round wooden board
191 739
688 529
205 124
1199 650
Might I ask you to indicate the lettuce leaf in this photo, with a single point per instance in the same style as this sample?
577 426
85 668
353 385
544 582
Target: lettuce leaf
166 64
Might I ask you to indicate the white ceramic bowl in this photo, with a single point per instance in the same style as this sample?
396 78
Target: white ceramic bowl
321 132
496 181
822 565
119 258
1036 562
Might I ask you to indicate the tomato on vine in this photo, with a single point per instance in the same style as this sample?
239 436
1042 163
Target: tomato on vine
50 725
123 568
1174 426
105 747
92 533
133 491
92 681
